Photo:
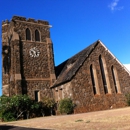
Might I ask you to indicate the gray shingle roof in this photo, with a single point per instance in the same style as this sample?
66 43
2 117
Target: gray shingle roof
66 70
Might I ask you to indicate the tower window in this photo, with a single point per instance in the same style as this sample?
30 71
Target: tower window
103 74
28 34
37 35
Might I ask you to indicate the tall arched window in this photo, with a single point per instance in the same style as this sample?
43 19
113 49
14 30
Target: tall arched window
115 79
28 34
113 75
94 79
37 35
103 74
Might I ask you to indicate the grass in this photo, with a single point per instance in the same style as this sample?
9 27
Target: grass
79 120
87 121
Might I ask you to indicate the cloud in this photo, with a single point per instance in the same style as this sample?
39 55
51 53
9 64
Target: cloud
113 6
127 66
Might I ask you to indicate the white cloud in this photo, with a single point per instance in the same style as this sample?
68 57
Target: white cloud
127 66
113 6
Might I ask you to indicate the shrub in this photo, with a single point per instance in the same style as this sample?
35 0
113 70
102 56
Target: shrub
19 107
48 104
66 106
8 116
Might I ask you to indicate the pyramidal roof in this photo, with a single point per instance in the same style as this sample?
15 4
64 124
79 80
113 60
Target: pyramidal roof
67 70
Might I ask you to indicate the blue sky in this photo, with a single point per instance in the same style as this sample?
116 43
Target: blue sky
78 23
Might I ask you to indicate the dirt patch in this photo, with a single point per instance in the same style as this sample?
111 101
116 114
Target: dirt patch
117 119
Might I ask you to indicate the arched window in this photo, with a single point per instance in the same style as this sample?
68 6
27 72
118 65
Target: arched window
37 35
28 34
115 79
113 75
94 79
103 74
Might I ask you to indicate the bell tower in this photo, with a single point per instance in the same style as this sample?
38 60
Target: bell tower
28 61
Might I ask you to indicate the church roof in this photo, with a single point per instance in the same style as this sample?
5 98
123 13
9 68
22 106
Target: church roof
66 70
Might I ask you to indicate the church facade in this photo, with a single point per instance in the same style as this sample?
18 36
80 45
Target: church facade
93 78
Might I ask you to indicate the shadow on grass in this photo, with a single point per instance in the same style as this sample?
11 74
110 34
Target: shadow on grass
8 127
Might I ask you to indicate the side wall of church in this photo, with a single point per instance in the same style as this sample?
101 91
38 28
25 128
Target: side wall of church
63 91
82 88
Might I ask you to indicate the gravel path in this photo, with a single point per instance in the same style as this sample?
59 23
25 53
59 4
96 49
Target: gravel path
116 119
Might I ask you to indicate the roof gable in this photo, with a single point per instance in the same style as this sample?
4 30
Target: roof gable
67 70
115 58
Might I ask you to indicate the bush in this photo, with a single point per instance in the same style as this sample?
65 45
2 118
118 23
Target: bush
48 104
66 106
8 116
128 99
19 107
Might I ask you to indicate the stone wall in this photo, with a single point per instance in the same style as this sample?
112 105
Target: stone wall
22 24
82 89
28 74
83 95
63 91
35 67
41 86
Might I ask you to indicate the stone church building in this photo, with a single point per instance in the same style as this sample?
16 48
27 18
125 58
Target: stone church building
93 78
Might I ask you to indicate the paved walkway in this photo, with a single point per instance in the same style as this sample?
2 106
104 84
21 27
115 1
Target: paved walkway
116 119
